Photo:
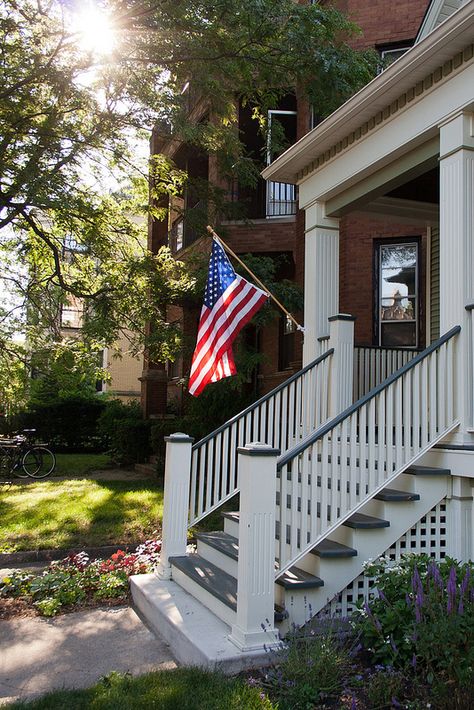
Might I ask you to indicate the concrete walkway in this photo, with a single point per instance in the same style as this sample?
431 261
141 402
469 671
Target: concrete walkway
38 655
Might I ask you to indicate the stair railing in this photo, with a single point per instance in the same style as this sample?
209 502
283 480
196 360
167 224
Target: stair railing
281 418
338 468
372 365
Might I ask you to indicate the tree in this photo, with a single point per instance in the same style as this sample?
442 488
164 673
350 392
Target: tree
69 117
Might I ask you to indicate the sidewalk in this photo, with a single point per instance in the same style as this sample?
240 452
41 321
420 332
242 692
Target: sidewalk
38 655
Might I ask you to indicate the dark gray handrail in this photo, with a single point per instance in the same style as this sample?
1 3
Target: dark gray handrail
263 399
325 428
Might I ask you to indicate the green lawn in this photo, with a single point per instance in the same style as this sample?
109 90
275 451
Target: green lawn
80 464
78 513
181 689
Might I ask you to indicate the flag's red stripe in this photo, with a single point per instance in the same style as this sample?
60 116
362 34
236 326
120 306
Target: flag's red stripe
200 379
222 336
209 353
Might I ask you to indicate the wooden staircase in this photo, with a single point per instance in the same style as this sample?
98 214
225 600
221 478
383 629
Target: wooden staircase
342 494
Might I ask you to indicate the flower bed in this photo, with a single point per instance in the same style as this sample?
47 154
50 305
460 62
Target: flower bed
76 581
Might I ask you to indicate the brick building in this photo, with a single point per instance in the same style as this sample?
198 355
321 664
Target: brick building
275 227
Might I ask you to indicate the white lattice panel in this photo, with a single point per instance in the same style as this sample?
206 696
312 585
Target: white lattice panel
427 536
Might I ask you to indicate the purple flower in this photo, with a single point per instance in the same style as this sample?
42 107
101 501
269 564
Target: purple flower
353 703
461 607
465 582
407 599
393 645
416 580
382 596
451 590
367 608
413 661
395 703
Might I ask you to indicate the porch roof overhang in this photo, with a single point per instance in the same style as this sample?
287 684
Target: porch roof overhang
364 130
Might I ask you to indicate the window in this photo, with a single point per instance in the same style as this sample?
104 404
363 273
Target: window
281 196
397 307
72 313
391 52
286 350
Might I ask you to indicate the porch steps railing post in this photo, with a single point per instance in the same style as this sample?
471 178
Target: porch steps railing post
254 626
341 338
175 501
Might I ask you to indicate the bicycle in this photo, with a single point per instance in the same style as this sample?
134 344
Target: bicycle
22 457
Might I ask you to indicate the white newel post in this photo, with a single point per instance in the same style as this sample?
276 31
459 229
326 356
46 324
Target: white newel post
341 374
457 253
321 281
256 566
176 501
459 513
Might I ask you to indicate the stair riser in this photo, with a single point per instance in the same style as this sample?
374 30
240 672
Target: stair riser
223 612
231 527
218 558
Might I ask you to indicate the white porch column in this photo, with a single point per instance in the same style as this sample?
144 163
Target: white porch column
321 280
459 519
341 373
175 501
256 566
457 253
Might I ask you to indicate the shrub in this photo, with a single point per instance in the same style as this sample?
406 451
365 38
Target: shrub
114 411
421 620
69 423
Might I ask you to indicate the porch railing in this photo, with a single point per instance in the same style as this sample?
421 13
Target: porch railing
281 418
281 199
338 468
372 365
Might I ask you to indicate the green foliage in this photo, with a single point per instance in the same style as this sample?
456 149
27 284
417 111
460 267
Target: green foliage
311 667
69 423
422 619
131 441
115 411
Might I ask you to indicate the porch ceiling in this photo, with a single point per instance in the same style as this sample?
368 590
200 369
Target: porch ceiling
370 106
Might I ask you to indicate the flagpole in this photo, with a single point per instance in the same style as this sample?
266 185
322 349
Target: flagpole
255 278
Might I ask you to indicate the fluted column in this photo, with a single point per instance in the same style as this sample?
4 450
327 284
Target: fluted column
175 501
321 289
254 628
456 252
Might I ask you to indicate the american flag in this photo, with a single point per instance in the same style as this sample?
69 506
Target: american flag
230 301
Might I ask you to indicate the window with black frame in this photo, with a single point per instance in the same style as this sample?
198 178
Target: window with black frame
397 306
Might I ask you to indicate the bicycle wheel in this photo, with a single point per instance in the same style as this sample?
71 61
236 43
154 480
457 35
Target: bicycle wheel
6 466
38 462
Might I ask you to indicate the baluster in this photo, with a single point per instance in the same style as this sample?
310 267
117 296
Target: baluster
284 420
271 421
326 472
278 443
353 469
381 445
334 497
371 455
202 475
363 450
407 418
398 422
294 512
298 405
433 420
284 474
416 408
424 403
194 464
442 382
389 428
305 515
214 467
344 477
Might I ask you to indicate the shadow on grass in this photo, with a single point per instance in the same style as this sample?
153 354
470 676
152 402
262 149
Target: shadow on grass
79 513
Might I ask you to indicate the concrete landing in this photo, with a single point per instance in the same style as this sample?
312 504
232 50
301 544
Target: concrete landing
195 635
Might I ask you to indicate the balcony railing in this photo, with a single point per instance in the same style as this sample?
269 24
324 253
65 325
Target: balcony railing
281 199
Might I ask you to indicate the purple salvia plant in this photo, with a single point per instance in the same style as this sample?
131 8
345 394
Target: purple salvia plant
461 607
465 583
416 580
451 589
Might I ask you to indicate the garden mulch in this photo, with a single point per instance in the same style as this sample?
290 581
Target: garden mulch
75 650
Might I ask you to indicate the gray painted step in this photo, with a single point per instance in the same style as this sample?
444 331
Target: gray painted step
234 516
331 549
218 583
295 578
428 471
391 495
359 521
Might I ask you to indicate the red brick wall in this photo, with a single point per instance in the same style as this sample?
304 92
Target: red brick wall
261 236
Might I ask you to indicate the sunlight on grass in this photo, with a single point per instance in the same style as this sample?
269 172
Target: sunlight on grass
79 513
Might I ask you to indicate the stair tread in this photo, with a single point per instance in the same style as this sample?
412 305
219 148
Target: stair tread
214 580
221 541
231 515
332 549
362 521
428 471
392 494
294 578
